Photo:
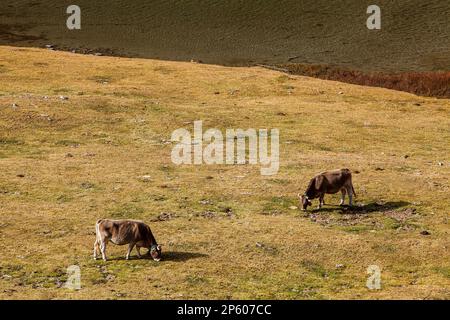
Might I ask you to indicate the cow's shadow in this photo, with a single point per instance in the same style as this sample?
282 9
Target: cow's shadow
176 256
365 209
179 256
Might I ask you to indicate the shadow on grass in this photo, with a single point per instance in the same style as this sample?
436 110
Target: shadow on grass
181 256
176 256
368 208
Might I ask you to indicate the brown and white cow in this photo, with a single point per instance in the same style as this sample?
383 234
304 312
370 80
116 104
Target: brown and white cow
121 232
328 182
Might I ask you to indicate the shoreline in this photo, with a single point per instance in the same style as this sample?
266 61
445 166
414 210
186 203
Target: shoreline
421 83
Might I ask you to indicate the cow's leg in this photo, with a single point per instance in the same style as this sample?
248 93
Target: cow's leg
138 249
321 201
343 192
103 248
130 248
350 195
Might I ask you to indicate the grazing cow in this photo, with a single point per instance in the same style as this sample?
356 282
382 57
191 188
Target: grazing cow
121 232
328 182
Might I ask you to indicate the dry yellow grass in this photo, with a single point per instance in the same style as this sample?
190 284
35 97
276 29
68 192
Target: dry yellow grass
116 124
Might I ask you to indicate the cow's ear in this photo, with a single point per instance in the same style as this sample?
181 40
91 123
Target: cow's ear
319 182
158 247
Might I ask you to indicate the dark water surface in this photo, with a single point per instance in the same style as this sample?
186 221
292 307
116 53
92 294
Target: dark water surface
415 35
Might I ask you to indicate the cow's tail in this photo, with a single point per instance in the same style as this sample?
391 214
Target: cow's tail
97 230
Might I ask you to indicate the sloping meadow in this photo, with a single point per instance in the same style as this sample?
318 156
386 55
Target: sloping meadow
85 137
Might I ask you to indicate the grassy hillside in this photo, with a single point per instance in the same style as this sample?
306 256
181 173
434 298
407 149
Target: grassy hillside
226 231
415 35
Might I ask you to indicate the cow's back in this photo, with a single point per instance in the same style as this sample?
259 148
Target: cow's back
335 180
123 231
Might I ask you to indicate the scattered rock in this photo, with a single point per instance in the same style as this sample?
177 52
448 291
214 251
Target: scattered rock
59 283
400 215
228 211
293 207
145 178
46 116
21 175
379 169
87 185
440 164
425 233
89 154
208 214
283 114
98 54
209 177
205 202
110 277
268 249
164 216
417 104
217 92
9 291
63 98
340 92
14 106
260 245
406 156
340 266
360 205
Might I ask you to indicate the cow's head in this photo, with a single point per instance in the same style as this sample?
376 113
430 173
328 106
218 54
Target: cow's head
304 202
155 252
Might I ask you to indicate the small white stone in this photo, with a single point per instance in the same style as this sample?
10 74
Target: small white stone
146 178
